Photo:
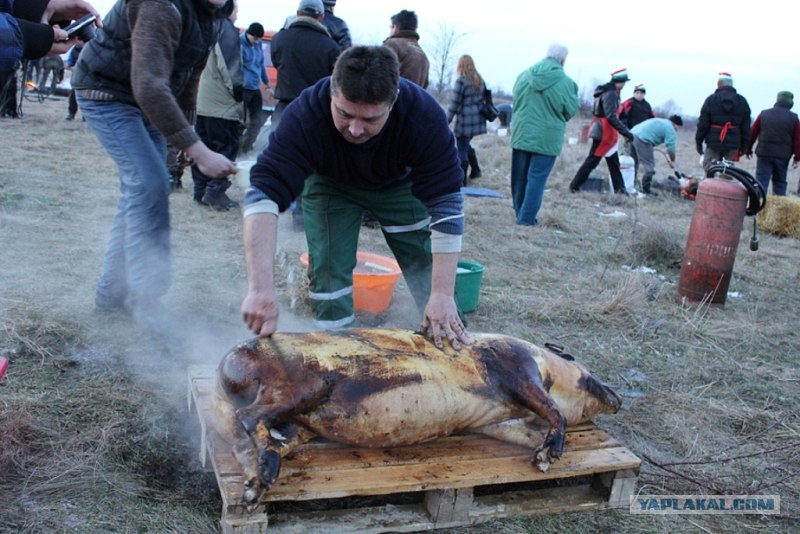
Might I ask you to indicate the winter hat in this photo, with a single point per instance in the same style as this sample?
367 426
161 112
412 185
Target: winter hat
620 75
329 2
256 30
725 77
312 8
640 87
676 119
786 97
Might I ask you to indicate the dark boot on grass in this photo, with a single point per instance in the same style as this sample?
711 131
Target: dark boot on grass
475 171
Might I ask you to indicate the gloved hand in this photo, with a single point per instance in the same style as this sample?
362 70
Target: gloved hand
700 149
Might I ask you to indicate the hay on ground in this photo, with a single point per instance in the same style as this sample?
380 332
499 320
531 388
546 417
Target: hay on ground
781 217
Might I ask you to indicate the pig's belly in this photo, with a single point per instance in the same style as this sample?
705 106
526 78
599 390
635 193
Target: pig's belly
405 415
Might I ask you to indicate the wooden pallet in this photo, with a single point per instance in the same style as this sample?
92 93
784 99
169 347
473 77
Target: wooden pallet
454 481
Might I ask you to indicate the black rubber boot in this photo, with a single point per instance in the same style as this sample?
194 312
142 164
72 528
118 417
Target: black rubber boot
647 182
175 182
218 200
475 171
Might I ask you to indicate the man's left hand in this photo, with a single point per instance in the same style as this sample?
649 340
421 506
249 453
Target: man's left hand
441 319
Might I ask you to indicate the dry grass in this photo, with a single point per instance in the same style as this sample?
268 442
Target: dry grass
94 433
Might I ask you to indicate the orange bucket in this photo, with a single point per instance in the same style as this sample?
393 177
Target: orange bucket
374 279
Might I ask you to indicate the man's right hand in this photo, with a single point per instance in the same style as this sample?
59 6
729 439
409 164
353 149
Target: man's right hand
260 313
210 163
700 149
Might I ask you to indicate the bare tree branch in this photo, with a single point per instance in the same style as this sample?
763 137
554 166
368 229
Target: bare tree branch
442 55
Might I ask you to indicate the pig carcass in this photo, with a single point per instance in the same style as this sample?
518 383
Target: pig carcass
391 387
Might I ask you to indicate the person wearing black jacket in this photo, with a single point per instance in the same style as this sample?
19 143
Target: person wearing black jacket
778 132
636 109
724 124
604 132
337 27
633 111
303 53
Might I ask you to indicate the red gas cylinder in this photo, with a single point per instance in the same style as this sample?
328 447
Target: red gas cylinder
713 239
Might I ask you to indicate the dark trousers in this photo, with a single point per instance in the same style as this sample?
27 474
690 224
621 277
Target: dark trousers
220 135
253 117
591 162
8 93
774 169
72 105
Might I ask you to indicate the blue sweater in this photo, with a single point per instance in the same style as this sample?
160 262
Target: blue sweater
415 145
253 64
657 131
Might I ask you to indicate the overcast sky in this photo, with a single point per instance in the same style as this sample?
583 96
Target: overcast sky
676 48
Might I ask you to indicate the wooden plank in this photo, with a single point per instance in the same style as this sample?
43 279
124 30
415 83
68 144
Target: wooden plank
412 517
622 487
448 505
305 485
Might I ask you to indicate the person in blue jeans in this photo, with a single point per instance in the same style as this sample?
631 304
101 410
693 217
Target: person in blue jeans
545 98
135 103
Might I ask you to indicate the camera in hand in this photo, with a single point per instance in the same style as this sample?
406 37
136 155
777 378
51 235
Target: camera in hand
83 28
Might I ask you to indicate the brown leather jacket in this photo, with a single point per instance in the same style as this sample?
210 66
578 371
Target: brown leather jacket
414 64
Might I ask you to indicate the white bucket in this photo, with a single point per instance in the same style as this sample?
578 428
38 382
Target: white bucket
628 169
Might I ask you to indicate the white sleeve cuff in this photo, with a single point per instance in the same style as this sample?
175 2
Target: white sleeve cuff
444 243
262 206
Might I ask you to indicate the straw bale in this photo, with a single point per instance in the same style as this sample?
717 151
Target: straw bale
781 217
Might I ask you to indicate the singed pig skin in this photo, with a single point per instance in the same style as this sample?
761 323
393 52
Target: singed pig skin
385 388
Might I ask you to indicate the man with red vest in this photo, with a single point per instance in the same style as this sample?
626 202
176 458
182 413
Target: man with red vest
778 132
724 124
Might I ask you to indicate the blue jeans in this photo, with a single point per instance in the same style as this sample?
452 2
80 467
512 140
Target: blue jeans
529 173
462 146
137 264
772 168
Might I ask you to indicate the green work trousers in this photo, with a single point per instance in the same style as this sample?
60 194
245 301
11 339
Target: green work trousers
332 215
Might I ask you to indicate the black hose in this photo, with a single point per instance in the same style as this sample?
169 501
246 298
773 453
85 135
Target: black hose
756 197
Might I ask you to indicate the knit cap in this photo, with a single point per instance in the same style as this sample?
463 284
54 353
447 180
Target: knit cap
620 75
725 77
312 8
786 97
640 87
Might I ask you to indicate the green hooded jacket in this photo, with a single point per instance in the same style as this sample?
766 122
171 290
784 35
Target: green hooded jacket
544 100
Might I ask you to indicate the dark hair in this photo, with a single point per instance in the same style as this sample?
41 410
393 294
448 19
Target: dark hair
256 30
367 75
676 119
405 20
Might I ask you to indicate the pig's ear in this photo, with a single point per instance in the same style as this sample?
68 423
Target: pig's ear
559 351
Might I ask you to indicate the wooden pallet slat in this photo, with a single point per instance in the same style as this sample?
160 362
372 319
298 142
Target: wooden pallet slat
596 471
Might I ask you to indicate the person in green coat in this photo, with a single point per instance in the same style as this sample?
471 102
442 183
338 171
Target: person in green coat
545 98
